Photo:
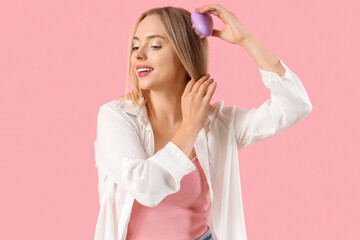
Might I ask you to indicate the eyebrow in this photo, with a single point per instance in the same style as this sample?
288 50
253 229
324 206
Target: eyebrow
151 36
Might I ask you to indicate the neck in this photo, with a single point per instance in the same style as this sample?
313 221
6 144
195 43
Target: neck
167 109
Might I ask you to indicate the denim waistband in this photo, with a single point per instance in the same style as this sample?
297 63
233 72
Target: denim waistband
206 236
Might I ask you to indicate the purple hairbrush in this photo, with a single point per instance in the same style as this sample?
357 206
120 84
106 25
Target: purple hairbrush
202 23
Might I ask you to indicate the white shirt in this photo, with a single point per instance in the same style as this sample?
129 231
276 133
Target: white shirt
128 168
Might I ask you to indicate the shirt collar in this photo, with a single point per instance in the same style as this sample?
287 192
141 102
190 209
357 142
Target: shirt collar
141 112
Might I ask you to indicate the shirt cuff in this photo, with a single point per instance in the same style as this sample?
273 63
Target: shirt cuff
173 159
268 76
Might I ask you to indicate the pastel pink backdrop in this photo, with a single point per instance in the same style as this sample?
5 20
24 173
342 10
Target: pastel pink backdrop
60 60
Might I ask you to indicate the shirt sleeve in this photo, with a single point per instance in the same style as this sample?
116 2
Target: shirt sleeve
120 155
288 104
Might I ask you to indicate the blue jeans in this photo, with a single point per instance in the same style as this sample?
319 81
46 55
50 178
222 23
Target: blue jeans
206 236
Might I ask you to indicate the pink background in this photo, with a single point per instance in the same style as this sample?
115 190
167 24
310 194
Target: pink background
60 60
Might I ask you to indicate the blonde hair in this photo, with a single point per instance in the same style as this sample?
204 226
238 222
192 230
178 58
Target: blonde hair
189 47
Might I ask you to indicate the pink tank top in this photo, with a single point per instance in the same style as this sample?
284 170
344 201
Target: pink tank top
182 215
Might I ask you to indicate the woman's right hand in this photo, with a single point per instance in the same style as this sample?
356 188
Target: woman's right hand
195 102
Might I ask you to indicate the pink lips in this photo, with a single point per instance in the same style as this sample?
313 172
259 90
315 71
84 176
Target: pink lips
143 74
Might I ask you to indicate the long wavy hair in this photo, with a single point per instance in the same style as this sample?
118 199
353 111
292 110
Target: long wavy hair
189 47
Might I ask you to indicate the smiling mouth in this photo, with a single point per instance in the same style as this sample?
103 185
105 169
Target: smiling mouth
144 73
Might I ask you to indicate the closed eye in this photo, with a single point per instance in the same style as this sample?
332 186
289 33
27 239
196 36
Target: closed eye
157 47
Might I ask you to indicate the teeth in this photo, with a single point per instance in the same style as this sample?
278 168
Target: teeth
144 69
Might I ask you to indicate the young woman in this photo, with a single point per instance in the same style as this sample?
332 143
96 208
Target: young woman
167 160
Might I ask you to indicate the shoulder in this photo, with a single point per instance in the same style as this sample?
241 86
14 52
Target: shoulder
121 106
221 114
120 109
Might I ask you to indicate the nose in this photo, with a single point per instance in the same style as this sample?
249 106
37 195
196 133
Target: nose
140 53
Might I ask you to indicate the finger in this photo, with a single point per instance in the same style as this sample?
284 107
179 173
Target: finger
216 33
204 87
215 9
210 93
210 10
189 86
198 83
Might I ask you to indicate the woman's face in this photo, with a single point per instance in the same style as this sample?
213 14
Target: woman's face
157 53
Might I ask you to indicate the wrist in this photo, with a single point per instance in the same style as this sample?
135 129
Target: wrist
190 128
246 39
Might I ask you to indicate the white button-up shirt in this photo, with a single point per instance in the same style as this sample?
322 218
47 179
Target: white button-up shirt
128 169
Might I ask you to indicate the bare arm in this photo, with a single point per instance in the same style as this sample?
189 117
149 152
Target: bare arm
265 59
185 138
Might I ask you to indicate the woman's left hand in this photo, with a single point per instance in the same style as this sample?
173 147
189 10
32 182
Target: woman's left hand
234 31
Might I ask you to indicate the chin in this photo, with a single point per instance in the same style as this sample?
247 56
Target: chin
144 85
